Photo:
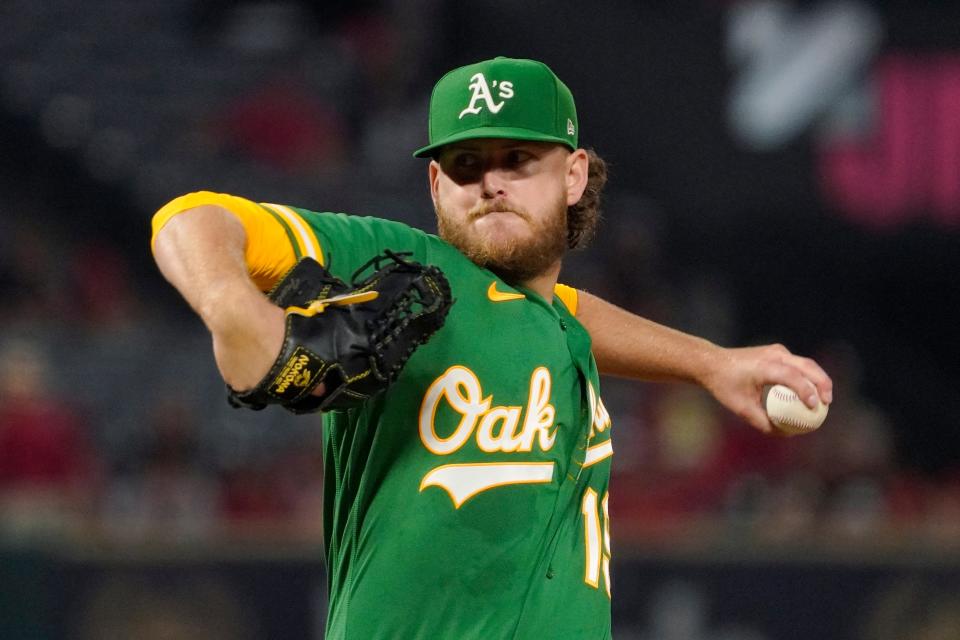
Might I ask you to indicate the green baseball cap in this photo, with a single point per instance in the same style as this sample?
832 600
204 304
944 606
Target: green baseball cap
501 98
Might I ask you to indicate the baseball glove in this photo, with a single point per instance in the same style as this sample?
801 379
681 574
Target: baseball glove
353 338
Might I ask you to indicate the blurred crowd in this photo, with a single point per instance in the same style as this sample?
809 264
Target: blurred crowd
112 417
687 469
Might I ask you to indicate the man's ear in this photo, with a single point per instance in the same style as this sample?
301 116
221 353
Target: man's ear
578 169
434 173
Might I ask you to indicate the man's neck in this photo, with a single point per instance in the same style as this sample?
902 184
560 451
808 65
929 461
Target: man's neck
544 283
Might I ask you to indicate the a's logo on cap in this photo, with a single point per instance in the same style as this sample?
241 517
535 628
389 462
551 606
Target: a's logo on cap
481 91
570 128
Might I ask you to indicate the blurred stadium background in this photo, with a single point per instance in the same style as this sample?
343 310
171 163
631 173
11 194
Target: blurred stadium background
784 171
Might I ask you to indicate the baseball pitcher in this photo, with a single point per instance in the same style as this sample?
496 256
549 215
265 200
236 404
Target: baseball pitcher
467 447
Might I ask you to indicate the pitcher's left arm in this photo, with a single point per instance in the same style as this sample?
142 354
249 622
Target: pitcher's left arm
627 345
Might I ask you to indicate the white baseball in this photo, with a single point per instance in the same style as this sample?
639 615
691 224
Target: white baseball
788 412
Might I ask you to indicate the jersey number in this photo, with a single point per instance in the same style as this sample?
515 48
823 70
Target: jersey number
598 552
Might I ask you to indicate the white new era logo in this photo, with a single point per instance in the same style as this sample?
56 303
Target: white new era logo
478 84
570 128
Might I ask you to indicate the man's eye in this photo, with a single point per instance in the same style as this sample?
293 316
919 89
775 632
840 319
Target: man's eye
517 157
466 161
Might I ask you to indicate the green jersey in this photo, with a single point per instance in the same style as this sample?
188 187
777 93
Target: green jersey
470 499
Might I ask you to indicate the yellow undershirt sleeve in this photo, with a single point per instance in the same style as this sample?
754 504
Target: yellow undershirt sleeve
277 236
568 296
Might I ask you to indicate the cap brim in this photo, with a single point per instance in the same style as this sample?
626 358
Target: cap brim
512 133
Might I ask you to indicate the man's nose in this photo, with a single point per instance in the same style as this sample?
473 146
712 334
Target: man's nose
493 183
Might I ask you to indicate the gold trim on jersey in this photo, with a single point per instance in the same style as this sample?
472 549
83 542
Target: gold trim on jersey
305 238
598 452
596 538
459 389
463 481
605 503
591 538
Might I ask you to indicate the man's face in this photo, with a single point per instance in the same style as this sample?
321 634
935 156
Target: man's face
503 203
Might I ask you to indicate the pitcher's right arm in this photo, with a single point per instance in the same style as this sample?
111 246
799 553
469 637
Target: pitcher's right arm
221 252
200 251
